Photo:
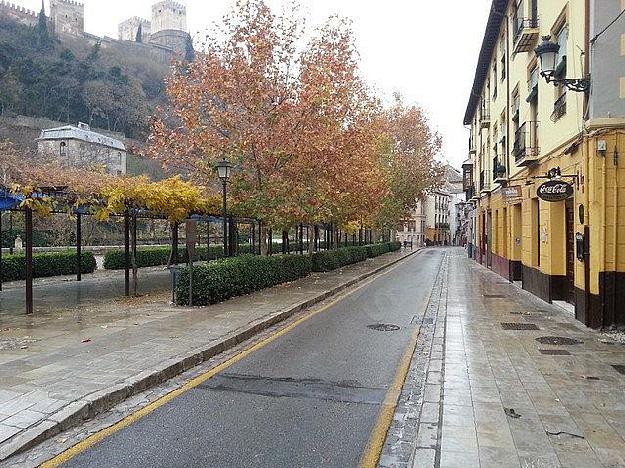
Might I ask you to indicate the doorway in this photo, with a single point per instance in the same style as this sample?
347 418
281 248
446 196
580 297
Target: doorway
570 252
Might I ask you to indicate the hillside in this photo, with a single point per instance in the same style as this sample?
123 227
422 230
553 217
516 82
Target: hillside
73 80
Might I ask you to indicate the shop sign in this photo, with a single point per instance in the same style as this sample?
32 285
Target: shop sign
555 190
512 195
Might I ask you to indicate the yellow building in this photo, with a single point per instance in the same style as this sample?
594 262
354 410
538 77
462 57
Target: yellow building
566 243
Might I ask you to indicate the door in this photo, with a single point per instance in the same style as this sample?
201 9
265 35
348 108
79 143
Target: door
570 252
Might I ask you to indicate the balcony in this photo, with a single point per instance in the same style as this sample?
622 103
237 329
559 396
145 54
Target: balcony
485 182
443 226
525 149
525 34
484 115
499 176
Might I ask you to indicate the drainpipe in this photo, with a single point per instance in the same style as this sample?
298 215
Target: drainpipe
586 51
615 229
508 212
603 240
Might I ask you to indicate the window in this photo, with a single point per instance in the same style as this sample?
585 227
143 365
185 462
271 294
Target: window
495 80
63 149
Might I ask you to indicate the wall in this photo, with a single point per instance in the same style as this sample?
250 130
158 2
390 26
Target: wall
168 15
86 155
17 13
607 60
128 29
68 17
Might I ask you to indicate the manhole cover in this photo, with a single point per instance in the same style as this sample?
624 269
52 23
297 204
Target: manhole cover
558 340
555 352
619 368
519 326
385 327
494 296
428 320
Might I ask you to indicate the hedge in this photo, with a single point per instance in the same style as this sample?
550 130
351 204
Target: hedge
155 256
13 267
220 280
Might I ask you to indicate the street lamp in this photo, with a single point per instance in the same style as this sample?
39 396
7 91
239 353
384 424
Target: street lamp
224 168
547 53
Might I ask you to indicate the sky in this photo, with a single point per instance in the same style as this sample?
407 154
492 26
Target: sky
426 50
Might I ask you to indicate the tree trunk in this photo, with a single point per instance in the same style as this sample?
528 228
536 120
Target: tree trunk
264 251
312 240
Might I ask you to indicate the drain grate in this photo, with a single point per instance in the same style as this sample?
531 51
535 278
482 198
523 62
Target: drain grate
384 327
558 341
428 320
555 352
619 368
519 326
494 296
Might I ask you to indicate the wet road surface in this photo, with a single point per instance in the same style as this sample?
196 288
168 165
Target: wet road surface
309 398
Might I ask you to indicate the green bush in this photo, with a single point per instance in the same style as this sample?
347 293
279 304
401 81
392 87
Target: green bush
332 259
13 267
156 256
218 281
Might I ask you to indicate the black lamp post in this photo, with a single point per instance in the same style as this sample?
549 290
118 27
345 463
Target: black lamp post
547 52
224 168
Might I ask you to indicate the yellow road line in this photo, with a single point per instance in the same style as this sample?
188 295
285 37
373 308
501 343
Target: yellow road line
374 447
378 436
134 417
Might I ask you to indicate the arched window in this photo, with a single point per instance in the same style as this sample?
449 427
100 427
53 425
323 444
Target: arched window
63 149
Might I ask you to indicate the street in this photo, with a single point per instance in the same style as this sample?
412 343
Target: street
309 398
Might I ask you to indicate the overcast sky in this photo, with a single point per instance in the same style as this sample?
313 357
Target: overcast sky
427 50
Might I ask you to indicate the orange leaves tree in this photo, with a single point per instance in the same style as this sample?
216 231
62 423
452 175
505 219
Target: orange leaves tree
407 150
295 118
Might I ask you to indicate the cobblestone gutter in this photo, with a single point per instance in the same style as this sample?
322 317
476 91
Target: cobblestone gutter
414 438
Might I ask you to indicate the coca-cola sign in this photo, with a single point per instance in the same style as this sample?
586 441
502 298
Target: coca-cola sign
555 190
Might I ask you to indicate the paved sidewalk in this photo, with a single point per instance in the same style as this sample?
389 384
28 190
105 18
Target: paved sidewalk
509 400
59 368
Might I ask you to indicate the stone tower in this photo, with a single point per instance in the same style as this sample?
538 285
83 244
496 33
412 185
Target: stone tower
169 25
67 17
129 28
169 15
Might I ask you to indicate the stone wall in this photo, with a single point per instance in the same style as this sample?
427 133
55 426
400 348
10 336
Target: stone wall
169 15
128 29
68 17
85 155
17 13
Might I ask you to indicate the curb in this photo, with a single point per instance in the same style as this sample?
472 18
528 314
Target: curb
95 403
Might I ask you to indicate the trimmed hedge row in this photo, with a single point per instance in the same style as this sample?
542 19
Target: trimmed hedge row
221 280
218 281
13 267
156 256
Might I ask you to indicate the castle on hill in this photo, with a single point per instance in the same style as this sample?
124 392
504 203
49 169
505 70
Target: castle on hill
166 33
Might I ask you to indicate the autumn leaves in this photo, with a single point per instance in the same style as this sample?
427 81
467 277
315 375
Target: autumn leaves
311 142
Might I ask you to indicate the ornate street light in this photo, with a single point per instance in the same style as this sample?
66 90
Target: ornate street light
547 53
224 169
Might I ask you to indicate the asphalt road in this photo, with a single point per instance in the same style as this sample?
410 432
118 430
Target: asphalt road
308 399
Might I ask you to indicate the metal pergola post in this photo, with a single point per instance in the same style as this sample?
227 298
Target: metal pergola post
1 250
28 221
127 253
78 247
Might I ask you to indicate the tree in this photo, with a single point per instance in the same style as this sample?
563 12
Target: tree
189 51
139 35
10 91
282 114
42 28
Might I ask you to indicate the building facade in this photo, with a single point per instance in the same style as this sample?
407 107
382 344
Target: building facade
412 230
526 132
80 147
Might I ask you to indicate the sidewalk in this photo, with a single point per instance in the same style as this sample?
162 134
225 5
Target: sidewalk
57 369
502 398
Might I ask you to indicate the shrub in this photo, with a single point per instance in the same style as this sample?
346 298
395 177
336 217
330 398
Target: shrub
218 281
155 256
45 265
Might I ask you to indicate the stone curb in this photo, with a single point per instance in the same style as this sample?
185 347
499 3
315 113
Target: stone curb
95 403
